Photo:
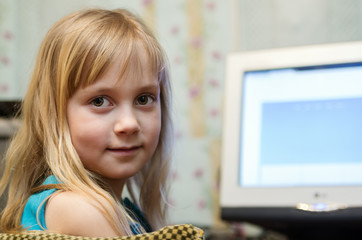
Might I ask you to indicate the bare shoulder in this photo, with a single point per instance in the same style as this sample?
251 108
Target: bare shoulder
71 213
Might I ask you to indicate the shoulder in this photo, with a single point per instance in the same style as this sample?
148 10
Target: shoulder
33 213
71 213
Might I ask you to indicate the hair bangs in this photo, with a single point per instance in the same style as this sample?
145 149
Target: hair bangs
108 36
156 56
112 34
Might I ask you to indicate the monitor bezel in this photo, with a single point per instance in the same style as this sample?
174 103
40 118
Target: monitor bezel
234 198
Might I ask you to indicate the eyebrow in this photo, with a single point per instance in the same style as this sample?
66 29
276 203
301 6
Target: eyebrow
149 86
102 88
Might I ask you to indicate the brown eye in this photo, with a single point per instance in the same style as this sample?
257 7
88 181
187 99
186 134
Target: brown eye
144 100
100 102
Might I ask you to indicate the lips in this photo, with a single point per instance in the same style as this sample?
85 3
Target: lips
124 151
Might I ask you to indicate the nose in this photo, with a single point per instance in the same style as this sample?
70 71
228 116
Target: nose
126 122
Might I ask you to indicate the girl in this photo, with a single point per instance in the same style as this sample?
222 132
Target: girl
96 118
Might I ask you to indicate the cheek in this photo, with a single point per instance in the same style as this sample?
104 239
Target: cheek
88 145
84 127
152 127
85 137
157 122
156 129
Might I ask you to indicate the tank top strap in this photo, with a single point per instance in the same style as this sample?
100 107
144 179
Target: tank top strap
33 217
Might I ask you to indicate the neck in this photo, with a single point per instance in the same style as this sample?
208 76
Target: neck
116 186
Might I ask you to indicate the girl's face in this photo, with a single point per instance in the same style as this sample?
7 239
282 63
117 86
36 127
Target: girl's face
115 124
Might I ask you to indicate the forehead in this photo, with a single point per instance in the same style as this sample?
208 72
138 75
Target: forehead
135 68
131 61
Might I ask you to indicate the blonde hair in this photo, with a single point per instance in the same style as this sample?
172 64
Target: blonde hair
74 53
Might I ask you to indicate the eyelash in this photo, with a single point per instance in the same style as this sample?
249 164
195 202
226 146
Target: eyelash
102 98
150 99
148 96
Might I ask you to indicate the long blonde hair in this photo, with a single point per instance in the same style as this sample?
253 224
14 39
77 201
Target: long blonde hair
74 53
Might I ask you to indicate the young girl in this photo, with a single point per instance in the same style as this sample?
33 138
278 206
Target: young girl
96 118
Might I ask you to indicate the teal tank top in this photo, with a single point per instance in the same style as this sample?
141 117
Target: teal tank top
33 217
35 207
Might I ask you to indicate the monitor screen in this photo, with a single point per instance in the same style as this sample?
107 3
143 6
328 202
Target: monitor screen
302 126
292 135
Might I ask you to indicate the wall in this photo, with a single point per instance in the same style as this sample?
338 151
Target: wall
195 35
283 23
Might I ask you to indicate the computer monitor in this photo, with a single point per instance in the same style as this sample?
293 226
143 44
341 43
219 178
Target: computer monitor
292 136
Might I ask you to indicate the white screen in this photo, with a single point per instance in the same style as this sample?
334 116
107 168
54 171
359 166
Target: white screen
302 127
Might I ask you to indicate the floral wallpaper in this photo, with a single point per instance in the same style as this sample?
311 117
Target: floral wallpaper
198 43
7 51
194 34
197 35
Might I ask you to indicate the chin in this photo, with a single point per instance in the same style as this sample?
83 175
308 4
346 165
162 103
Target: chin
120 176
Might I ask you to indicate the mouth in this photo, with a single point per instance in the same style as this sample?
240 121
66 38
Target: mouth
124 150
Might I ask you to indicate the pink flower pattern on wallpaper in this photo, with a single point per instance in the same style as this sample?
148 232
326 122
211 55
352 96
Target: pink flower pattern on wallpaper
214 112
194 91
6 38
214 83
217 55
210 5
4 88
196 42
178 135
175 30
7 35
177 60
198 173
210 88
174 175
145 3
172 202
5 60
201 204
